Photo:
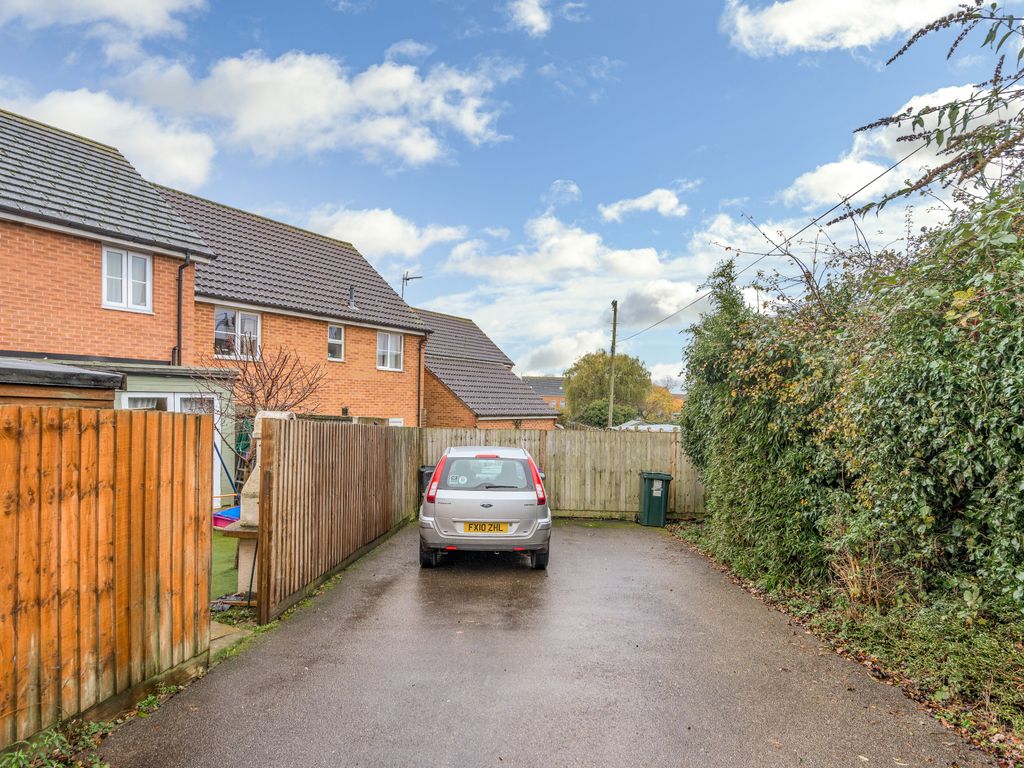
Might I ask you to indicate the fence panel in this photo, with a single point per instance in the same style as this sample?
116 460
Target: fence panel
327 490
75 559
589 473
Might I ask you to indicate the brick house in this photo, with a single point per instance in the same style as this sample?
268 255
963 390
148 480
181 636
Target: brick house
551 389
469 380
275 285
98 268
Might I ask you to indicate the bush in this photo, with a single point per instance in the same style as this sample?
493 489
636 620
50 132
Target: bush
869 434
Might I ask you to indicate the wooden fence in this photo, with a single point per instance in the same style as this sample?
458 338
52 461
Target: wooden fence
104 557
590 473
327 491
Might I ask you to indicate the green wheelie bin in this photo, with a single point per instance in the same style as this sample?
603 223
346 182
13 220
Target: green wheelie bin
653 498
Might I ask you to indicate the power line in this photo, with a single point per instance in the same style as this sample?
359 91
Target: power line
789 239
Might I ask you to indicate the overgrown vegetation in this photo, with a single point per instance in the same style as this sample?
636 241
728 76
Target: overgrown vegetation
861 437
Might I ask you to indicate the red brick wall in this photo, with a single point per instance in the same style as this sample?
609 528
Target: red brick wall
553 401
523 424
51 296
355 383
444 409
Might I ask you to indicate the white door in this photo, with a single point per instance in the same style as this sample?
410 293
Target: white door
202 403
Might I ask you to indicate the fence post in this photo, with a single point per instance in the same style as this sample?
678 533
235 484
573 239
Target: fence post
265 537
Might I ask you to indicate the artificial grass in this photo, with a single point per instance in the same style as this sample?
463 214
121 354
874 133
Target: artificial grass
224 575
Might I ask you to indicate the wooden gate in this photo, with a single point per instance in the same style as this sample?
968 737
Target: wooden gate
104 557
327 491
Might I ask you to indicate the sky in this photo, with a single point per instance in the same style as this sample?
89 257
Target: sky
532 160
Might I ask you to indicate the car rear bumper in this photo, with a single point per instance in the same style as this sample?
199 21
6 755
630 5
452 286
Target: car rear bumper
536 539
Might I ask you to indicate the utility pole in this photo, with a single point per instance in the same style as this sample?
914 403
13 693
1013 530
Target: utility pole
611 383
407 278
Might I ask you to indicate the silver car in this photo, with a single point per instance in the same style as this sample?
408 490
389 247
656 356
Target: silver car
485 499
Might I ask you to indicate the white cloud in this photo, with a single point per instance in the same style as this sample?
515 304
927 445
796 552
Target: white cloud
786 26
380 232
168 152
558 354
669 374
870 154
535 17
119 24
308 103
555 249
408 49
562 192
531 16
141 17
664 201
589 77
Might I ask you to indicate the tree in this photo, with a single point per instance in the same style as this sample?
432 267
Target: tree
595 414
274 379
587 380
659 406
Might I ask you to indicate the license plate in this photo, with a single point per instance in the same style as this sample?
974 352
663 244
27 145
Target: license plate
485 527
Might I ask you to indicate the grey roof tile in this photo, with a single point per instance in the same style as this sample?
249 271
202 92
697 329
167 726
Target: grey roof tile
55 176
279 266
453 336
546 386
488 388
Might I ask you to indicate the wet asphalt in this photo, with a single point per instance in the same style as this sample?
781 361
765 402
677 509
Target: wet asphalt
629 651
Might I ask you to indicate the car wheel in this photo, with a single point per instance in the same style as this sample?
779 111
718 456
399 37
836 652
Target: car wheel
539 560
428 557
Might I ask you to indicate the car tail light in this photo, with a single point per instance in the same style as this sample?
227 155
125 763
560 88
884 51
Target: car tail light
487 456
538 485
435 480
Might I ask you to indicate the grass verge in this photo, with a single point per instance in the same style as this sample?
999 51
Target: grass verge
969 674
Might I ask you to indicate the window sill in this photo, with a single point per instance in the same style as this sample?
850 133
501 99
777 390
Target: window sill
236 358
134 311
391 370
335 359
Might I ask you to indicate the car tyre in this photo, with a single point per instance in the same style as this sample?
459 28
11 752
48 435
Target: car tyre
428 557
539 560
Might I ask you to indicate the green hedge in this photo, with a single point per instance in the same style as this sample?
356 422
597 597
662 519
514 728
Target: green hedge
869 435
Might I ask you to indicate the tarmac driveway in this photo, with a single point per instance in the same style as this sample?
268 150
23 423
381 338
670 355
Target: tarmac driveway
628 651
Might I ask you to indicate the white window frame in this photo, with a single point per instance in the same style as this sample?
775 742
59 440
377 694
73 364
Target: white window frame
330 327
126 305
401 348
238 327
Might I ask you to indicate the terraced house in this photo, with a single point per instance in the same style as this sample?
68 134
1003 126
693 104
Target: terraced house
273 285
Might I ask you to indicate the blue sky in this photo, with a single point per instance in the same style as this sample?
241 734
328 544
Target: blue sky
532 159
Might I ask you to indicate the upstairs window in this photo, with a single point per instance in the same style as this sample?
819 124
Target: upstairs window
236 334
389 351
335 342
127 280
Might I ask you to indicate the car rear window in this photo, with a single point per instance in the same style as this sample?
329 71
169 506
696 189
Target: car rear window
474 474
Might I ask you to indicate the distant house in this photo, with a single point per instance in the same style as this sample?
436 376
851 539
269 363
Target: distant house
550 388
469 380
274 285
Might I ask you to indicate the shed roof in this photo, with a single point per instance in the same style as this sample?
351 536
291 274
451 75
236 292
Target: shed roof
279 266
14 370
488 388
53 176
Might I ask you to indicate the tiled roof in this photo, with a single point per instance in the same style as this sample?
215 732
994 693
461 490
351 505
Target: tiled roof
488 388
278 266
546 386
50 175
452 336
